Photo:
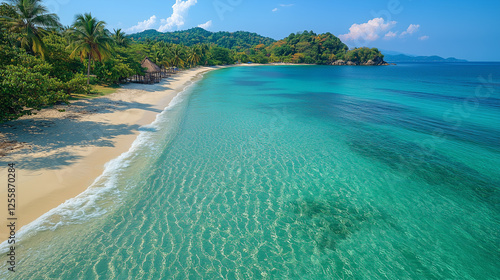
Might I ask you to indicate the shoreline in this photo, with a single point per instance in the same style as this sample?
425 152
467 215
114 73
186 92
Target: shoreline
62 150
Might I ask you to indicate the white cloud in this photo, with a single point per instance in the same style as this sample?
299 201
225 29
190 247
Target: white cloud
206 25
143 25
411 29
423 38
180 9
369 31
390 35
284 6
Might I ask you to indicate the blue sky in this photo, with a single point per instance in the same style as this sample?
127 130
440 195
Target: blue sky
462 29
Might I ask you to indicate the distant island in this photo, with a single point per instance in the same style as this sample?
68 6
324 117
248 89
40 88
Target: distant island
397 58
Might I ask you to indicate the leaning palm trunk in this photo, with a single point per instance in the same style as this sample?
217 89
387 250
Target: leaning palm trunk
88 71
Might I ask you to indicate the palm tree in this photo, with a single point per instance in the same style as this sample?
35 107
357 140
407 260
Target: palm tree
163 57
90 40
120 38
31 21
204 48
193 55
177 56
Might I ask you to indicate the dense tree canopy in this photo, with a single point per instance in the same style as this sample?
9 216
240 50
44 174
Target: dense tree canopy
26 84
30 20
230 40
308 47
360 55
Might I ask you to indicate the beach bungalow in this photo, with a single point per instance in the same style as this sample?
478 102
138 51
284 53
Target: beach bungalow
153 73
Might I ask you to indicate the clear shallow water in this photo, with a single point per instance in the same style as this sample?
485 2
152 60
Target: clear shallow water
296 172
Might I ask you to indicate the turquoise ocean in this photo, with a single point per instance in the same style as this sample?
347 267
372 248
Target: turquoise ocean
294 172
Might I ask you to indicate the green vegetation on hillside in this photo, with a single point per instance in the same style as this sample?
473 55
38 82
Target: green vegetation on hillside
303 47
230 40
308 47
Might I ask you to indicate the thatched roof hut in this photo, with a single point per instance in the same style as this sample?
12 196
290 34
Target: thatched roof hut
150 66
153 73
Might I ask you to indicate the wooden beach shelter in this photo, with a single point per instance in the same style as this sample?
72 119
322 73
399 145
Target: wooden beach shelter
153 73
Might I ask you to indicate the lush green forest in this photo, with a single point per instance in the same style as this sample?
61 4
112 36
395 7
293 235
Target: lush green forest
237 40
43 62
311 48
